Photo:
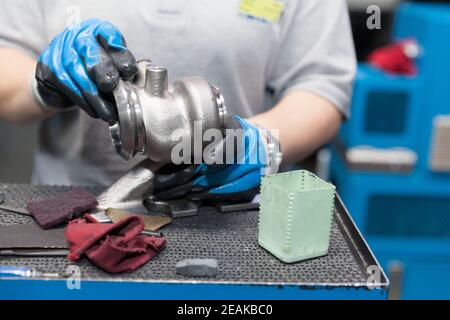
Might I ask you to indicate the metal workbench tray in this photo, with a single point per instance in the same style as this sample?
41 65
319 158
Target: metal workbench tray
246 271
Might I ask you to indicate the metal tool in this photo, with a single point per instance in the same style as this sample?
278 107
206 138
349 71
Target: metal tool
186 208
235 207
15 210
174 208
24 272
102 217
152 234
149 112
34 252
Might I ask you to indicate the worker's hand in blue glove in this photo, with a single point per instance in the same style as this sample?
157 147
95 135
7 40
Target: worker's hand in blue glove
235 181
82 65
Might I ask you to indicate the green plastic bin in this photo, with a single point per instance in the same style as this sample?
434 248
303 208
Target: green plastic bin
296 210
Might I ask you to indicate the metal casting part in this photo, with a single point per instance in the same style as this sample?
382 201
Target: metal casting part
130 190
153 117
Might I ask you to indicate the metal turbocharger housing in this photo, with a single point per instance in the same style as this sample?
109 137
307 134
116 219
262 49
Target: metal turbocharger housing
149 111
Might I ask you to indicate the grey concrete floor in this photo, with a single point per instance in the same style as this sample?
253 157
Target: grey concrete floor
17 145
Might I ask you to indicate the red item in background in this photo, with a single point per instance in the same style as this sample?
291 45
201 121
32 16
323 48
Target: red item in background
115 248
394 58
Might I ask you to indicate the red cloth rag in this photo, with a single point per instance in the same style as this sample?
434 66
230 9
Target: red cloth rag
393 59
115 248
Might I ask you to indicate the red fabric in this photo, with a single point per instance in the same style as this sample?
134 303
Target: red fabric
115 248
393 59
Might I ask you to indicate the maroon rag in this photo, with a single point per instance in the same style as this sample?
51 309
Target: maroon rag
61 208
115 248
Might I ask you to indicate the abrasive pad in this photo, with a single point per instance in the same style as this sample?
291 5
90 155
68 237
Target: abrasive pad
61 208
152 222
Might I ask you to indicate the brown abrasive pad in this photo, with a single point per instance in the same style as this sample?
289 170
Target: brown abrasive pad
152 222
61 208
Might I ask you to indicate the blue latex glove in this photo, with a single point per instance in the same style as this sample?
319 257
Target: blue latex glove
241 179
82 65
238 181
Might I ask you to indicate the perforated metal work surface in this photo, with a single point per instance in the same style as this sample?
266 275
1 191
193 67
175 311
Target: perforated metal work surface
230 238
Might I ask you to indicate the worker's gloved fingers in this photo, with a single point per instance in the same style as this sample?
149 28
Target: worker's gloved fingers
172 175
103 109
205 169
100 107
242 184
114 44
177 192
241 189
252 150
104 73
207 197
55 84
226 174
75 67
96 60
248 155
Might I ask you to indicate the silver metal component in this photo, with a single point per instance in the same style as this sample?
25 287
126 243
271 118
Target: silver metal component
152 234
237 207
22 211
34 252
101 217
440 150
128 135
221 108
130 190
174 208
273 148
183 208
157 82
153 117
197 267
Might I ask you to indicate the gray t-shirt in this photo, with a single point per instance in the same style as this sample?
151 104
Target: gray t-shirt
253 62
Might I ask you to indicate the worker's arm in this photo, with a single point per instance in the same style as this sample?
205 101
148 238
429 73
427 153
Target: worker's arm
304 121
16 102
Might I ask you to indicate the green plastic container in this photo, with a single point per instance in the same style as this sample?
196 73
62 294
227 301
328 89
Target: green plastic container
296 210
